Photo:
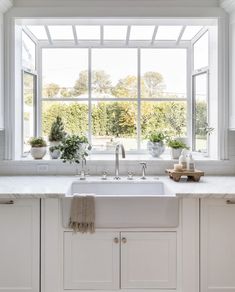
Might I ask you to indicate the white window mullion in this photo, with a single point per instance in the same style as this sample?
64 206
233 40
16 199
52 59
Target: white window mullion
139 99
89 96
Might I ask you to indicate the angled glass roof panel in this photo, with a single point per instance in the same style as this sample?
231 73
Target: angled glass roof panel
61 32
168 32
141 32
38 31
115 32
190 32
88 32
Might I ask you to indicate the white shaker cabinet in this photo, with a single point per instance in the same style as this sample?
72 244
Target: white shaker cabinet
19 245
91 261
148 260
217 245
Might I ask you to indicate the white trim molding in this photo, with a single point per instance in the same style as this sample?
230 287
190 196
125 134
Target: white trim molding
5 5
228 5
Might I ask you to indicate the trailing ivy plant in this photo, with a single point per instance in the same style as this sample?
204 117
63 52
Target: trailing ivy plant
57 132
74 149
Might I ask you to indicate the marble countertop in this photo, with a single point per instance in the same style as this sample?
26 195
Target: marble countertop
58 186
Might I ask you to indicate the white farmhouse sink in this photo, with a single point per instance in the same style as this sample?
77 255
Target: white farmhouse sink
127 204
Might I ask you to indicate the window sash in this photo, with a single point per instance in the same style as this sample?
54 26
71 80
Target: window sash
139 99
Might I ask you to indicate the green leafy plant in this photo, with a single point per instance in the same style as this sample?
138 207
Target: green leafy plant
74 148
157 137
53 148
57 132
37 142
175 144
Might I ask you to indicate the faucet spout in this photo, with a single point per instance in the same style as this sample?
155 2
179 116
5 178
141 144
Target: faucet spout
117 150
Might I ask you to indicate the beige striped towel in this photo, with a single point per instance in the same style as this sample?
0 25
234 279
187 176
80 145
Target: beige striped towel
82 213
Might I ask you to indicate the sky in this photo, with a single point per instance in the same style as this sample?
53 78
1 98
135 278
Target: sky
62 66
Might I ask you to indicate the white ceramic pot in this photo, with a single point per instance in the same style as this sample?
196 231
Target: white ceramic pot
155 148
175 153
38 152
54 143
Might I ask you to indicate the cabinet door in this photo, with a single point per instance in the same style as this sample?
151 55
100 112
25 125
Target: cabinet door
148 260
19 245
217 246
91 261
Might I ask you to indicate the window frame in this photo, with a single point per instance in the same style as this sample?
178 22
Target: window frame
138 47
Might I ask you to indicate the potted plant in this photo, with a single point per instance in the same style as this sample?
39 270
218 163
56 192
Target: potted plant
155 144
176 148
54 152
38 147
57 132
74 149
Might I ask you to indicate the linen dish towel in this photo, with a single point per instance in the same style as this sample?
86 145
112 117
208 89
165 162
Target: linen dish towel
82 213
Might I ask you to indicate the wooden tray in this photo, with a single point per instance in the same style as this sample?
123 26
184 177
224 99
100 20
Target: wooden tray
191 175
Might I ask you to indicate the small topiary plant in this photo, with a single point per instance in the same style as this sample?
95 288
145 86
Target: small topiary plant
57 132
37 142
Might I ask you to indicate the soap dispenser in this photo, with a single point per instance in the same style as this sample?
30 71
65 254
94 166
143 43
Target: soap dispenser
183 159
190 163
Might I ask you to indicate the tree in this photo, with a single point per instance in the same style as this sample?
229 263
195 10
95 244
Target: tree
100 82
126 87
66 92
154 84
81 84
51 90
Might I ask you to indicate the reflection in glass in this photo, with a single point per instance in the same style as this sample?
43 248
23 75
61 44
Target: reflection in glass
65 73
201 52
200 113
28 109
28 52
114 122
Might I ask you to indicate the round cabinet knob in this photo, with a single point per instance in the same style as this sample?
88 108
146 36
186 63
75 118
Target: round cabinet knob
116 240
124 240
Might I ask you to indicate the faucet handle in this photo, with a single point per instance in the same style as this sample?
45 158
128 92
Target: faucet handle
144 164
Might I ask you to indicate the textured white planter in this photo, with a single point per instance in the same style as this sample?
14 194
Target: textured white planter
54 143
155 148
175 153
38 152
55 154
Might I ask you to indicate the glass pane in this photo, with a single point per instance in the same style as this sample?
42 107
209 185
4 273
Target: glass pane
114 73
74 116
88 32
169 117
61 32
28 109
201 52
28 52
163 73
115 32
141 32
114 122
200 118
190 32
168 32
65 73
38 31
